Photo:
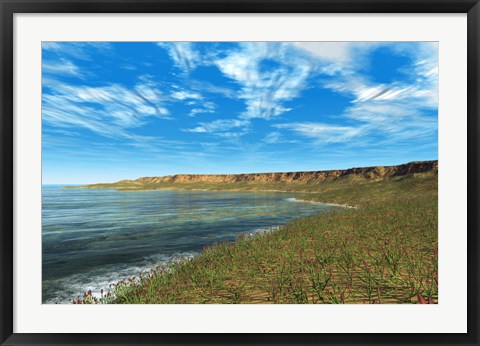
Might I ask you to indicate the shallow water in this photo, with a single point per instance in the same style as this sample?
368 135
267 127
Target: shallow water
94 237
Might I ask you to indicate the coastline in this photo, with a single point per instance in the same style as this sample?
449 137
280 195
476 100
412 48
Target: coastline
293 199
165 266
169 265
264 227
248 265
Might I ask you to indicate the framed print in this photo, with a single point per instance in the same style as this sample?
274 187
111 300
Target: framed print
239 173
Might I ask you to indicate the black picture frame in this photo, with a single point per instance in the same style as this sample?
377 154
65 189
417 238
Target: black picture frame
9 7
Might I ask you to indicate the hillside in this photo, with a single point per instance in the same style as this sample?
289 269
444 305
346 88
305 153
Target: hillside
384 251
376 172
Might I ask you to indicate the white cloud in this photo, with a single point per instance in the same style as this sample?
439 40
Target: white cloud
144 109
273 137
269 77
397 120
365 91
377 108
323 133
339 57
337 52
63 67
276 138
203 86
196 111
185 95
208 107
54 46
111 111
148 92
399 111
265 89
218 126
261 107
346 61
77 50
372 123
183 54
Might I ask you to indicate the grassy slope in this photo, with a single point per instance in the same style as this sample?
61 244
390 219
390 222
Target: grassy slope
383 252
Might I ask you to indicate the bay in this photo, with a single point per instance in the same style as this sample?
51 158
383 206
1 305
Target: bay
92 238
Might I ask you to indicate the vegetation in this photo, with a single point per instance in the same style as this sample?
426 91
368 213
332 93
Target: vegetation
384 251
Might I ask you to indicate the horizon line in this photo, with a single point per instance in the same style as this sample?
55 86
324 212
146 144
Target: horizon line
272 172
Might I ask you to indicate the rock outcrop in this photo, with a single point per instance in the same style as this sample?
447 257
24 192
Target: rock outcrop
376 172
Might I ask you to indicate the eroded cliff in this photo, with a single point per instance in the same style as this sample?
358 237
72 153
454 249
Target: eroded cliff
303 177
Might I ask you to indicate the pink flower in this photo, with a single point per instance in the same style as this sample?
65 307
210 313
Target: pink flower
421 299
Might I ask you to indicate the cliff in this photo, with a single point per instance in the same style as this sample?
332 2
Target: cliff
377 172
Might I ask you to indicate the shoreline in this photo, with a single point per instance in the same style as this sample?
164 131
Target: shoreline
182 189
242 271
293 199
172 260
347 206
167 266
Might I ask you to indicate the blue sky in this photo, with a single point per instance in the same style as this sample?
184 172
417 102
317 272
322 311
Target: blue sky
120 110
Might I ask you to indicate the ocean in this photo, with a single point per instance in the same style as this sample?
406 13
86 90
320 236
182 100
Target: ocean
92 238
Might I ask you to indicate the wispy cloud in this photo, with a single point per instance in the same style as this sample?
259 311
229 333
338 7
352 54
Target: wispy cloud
207 107
110 111
207 87
350 60
183 54
372 123
185 95
219 126
62 67
268 75
77 50
63 58
401 110
272 75
239 103
337 56
322 132
276 138
194 99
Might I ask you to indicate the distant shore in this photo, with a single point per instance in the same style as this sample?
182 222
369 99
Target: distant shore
374 172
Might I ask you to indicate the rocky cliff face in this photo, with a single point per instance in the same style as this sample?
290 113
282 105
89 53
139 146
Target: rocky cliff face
302 177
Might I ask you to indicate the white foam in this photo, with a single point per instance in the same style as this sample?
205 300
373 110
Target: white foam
263 230
76 285
292 199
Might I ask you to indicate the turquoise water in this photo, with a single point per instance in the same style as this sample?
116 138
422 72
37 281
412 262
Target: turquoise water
94 237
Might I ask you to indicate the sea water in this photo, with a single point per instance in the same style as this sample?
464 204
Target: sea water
92 238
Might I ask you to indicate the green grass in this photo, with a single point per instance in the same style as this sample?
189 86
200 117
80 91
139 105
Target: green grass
385 251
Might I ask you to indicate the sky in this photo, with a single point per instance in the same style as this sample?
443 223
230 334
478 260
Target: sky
124 110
